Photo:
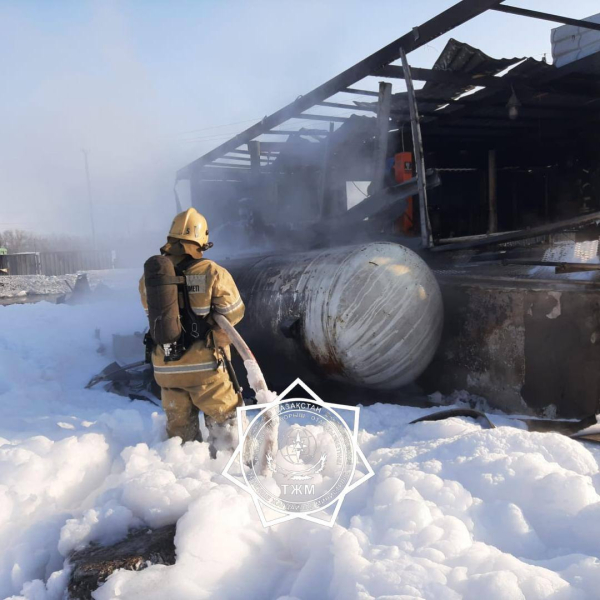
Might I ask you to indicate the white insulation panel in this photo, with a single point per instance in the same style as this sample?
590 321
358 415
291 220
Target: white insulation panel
571 43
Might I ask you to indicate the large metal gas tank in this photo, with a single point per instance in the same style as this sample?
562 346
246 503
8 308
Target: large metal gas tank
368 315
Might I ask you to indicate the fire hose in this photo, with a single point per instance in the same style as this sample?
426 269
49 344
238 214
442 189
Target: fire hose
257 382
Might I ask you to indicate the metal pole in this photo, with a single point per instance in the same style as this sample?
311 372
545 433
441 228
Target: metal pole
324 209
254 150
89 191
426 237
492 193
546 196
384 105
257 195
524 12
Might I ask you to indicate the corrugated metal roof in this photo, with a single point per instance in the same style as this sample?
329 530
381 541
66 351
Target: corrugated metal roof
565 96
461 58
487 107
458 57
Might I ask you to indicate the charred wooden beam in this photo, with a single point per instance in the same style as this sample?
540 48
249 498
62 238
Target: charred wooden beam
426 236
443 22
359 92
494 254
383 121
324 209
226 157
535 14
524 234
215 164
344 106
311 132
230 156
321 118
440 101
263 152
445 76
492 193
254 150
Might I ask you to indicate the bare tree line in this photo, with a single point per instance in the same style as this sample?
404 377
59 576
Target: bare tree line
18 240
132 250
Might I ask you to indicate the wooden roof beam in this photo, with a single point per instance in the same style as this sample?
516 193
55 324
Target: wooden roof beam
535 14
344 106
311 132
359 92
247 152
416 38
513 236
448 77
321 118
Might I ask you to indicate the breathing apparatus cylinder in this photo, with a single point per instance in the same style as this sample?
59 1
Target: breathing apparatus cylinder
162 295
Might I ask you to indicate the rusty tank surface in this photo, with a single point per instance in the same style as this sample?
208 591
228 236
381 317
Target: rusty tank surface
367 315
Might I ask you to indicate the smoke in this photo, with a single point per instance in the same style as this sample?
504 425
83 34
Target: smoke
77 85
112 79
146 88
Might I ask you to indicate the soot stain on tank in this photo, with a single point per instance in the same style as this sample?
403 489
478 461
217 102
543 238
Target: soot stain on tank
362 316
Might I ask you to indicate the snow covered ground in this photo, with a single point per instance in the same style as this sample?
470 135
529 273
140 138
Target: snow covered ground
19 286
454 511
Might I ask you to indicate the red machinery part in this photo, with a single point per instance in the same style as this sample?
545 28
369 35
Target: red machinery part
403 171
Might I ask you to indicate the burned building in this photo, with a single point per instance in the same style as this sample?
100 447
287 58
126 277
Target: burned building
491 171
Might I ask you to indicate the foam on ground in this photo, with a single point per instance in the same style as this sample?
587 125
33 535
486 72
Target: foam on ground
454 511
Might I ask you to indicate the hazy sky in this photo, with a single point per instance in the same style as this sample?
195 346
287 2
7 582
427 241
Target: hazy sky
146 86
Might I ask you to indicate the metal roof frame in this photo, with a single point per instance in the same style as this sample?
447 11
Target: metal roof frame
377 64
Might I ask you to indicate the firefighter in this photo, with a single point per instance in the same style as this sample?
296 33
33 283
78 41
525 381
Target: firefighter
198 379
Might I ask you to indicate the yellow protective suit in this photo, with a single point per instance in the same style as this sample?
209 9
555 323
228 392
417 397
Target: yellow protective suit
199 380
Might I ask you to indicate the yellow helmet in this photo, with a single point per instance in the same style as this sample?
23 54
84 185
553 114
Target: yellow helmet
190 225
